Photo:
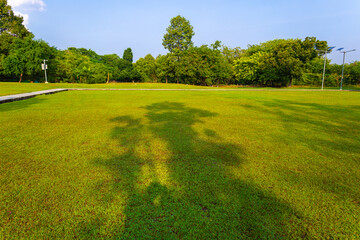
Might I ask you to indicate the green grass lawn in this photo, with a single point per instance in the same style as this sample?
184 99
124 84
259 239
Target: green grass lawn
181 165
7 88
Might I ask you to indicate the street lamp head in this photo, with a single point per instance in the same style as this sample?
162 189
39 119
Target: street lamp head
327 50
343 51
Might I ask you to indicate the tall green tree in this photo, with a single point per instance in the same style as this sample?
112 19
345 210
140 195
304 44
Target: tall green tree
10 23
147 68
120 69
276 63
204 66
178 36
68 68
11 28
353 71
26 56
128 55
83 66
165 67
113 61
6 44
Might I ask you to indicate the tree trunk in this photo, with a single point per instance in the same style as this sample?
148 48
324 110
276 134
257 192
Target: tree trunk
20 78
108 78
290 83
166 80
177 77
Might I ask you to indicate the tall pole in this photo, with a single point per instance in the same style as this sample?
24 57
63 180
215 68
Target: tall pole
323 79
342 73
325 58
45 71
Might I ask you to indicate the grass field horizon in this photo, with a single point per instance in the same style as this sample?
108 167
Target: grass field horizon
170 165
7 88
10 88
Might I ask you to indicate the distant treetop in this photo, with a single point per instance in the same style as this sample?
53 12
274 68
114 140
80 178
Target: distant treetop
128 55
178 35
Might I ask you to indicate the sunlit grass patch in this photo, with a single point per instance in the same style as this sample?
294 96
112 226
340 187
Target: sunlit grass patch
7 88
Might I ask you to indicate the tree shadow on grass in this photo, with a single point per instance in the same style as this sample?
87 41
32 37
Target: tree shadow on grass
321 119
332 134
177 181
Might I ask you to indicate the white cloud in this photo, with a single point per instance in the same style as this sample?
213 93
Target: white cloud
38 5
25 17
24 7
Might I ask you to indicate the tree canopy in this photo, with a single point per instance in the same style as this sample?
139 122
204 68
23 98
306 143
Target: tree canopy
10 23
128 55
275 63
26 57
147 68
178 36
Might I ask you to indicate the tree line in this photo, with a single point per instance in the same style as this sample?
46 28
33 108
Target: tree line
275 63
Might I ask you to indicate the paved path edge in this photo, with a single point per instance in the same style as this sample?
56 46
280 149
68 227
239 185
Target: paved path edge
22 96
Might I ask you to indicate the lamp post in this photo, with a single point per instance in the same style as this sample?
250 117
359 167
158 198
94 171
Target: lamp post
342 72
44 67
325 57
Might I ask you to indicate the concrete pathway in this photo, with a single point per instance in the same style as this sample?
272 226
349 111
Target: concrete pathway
22 96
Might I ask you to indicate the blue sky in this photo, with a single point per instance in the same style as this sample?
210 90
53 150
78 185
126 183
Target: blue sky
111 26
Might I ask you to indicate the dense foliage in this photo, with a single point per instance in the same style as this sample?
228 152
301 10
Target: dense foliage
10 23
128 55
276 63
178 36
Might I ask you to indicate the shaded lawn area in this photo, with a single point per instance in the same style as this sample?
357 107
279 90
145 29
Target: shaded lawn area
202 165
